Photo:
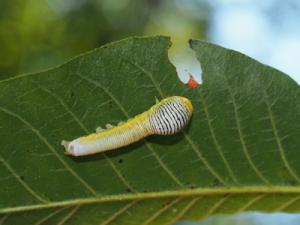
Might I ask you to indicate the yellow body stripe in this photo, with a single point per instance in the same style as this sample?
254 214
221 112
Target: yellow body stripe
130 123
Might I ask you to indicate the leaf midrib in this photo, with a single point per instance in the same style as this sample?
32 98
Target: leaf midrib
163 194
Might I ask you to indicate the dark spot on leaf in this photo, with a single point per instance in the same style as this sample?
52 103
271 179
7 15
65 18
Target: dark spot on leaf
72 94
216 183
128 190
225 195
120 161
292 182
22 177
110 104
165 203
192 186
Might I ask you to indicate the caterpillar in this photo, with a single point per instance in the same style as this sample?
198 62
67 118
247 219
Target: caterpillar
167 117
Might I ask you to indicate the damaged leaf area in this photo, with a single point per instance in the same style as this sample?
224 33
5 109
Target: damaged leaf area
240 152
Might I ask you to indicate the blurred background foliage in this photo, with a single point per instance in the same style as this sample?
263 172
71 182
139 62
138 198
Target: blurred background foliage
38 34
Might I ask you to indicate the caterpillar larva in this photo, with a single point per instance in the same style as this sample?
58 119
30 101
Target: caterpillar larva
166 117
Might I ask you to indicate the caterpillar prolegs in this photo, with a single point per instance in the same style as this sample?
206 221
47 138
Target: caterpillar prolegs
167 117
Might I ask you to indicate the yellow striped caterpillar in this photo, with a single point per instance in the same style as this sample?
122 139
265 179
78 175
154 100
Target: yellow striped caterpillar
166 117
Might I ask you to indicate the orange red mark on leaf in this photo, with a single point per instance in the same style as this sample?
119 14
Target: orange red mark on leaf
192 83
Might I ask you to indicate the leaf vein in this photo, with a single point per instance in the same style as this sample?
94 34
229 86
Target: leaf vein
185 210
119 212
22 182
50 147
274 190
4 218
217 205
49 216
213 135
250 203
161 211
241 135
287 204
277 138
69 215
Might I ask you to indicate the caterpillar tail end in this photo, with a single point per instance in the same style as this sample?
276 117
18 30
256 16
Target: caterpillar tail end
66 145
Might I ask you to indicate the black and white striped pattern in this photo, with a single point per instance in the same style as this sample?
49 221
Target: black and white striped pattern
170 117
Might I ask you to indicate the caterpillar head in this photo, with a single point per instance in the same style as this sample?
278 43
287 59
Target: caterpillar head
73 148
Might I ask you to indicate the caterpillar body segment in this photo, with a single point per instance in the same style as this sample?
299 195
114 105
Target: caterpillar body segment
167 117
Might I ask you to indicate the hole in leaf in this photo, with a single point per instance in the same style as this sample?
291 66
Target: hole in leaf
185 61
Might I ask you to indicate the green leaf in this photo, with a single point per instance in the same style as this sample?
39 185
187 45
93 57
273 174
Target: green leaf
240 151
